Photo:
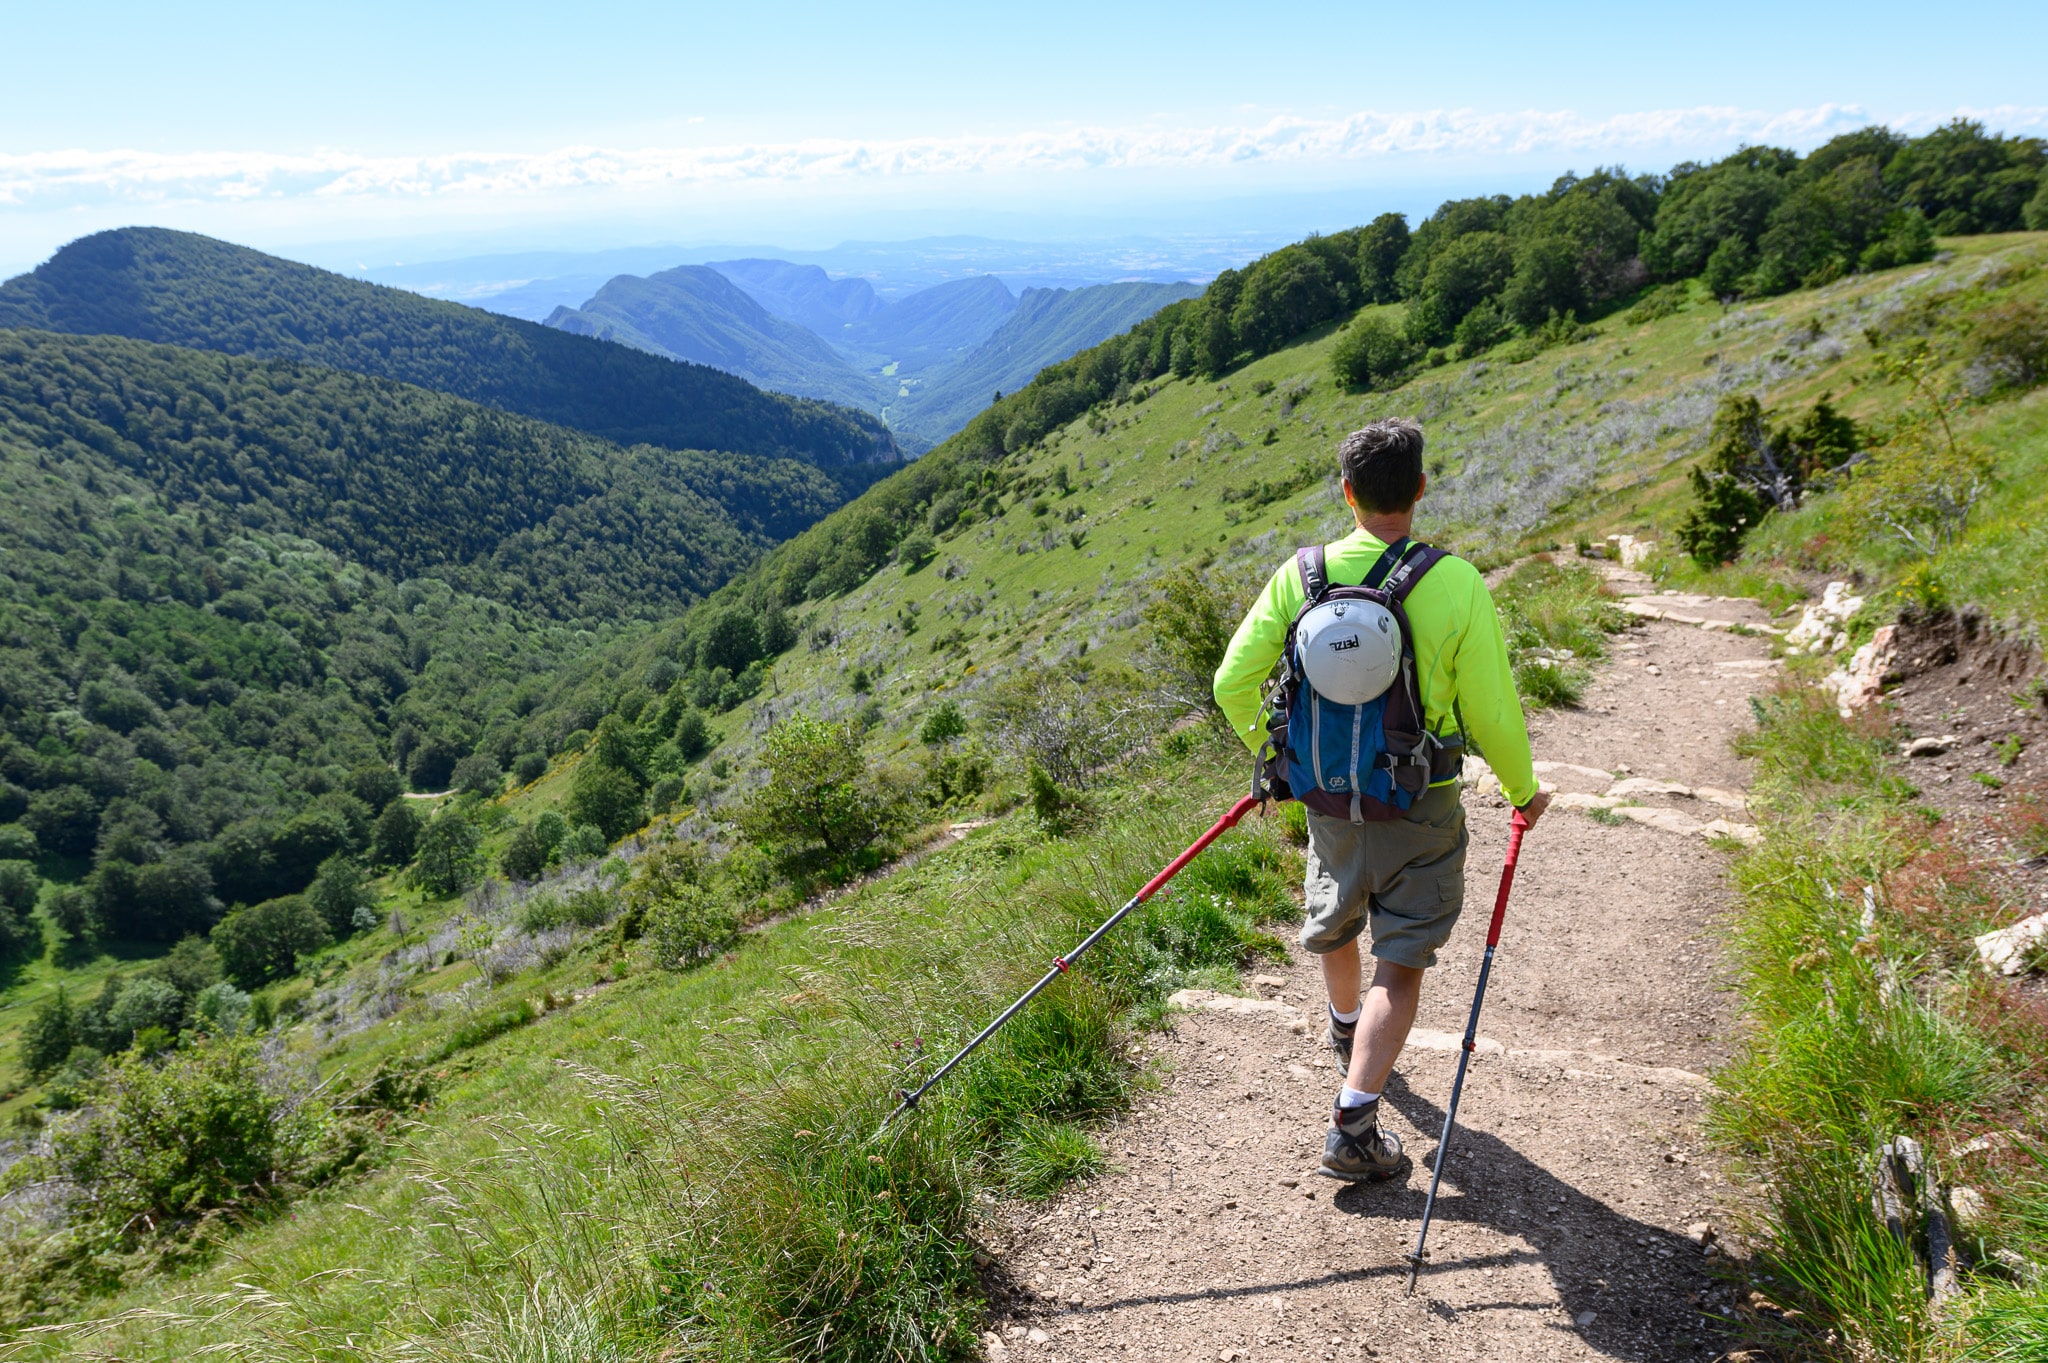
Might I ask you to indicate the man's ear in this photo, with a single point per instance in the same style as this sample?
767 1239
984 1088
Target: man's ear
1350 497
1422 487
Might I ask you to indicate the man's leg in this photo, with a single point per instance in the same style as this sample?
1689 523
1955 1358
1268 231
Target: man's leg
1389 1013
1341 977
1355 1148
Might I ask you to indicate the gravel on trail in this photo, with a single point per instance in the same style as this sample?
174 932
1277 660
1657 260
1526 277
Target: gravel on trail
1580 1211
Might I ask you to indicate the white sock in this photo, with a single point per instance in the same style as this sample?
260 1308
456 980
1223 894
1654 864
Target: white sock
1347 1018
1351 1097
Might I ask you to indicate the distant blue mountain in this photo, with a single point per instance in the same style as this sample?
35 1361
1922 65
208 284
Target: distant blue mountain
695 313
1046 327
803 294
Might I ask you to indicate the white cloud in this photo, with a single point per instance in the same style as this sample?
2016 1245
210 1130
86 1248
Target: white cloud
1363 142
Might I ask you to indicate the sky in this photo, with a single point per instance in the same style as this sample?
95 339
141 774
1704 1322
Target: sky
400 131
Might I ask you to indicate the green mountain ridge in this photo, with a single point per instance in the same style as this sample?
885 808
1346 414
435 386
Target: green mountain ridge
179 288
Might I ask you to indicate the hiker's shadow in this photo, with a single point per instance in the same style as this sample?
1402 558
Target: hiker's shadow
1631 1274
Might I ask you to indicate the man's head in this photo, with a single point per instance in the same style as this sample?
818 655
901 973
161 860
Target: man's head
1382 464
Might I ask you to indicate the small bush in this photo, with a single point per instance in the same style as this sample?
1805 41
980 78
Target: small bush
208 1129
529 767
688 925
478 774
480 1028
943 724
1371 352
1059 811
449 858
263 942
2008 346
823 809
1660 302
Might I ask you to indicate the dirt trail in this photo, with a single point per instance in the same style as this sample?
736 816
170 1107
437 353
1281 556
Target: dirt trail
1577 1168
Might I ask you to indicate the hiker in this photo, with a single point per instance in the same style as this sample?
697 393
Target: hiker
1382 859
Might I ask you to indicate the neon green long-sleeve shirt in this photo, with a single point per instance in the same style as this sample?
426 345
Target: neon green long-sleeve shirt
1467 683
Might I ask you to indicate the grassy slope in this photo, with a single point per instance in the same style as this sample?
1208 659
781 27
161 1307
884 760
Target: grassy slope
1592 438
522 1140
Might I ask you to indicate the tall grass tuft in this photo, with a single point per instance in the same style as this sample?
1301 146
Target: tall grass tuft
1557 618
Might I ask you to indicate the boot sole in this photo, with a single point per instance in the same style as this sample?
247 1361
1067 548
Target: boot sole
1375 1176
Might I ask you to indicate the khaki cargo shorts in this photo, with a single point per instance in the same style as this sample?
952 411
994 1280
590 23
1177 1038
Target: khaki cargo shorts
1404 879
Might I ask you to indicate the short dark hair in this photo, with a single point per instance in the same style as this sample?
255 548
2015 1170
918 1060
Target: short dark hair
1383 464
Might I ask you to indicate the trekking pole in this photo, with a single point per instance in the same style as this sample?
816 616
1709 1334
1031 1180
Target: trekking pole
1061 964
1517 827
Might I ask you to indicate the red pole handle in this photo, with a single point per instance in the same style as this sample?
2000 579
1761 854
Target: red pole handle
1517 826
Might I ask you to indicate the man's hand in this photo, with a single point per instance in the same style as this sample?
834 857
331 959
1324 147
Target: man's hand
1533 811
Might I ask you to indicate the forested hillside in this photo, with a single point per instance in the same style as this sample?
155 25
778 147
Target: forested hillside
235 586
152 284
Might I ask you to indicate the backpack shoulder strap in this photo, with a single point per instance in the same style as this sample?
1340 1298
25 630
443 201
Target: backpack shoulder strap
1403 578
1388 559
1315 577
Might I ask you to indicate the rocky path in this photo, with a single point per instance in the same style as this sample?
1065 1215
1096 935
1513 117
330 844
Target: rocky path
1569 1224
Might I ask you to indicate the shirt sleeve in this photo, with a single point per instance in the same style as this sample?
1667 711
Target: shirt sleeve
1253 651
1487 703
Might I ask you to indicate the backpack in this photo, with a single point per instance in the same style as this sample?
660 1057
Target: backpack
1367 762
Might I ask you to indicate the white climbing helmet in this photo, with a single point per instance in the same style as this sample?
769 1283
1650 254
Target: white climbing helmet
1349 650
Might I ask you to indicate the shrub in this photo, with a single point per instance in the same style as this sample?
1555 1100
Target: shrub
1059 811
531 849
608 797
341 894
584 842
147 1003
165 1144
1188 629
529 767
822 807
75 916
264 942
1662 301
1071 720
1370 353
19 886
478 774
222 1010
687 925
396 835
449 855
1480 329
48 1035
376 786
916 549
2008 346
942 725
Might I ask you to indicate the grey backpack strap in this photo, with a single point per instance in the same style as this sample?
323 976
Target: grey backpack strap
1315 578
1402 580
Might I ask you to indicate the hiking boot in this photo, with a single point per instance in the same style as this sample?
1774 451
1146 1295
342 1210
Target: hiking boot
1338 1037
1357 1151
